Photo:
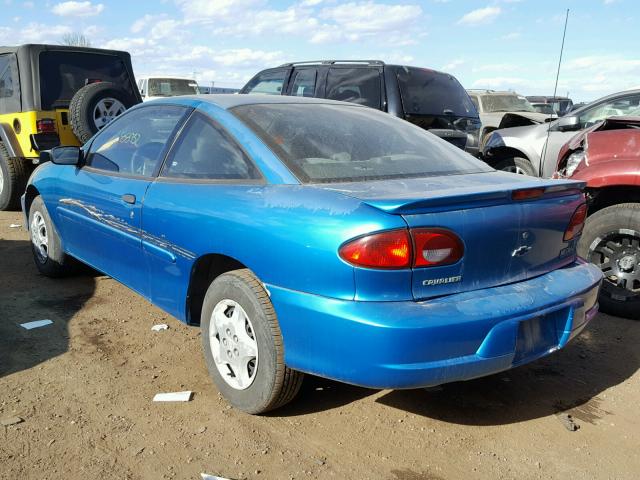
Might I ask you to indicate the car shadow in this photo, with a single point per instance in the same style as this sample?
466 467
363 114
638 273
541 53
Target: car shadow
570 380
25 296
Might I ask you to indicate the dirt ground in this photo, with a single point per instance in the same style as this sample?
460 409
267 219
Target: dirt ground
83 387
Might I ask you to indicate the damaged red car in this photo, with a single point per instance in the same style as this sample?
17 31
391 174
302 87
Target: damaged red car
607 157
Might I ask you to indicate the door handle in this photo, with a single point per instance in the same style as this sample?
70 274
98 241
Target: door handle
128 198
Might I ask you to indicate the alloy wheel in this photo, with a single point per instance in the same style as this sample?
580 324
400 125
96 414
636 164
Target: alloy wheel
617 254
106 110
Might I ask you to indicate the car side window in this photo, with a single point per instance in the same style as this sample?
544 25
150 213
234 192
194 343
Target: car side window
269 83
9 91
615 107
134 143
304 82
356 85
206 152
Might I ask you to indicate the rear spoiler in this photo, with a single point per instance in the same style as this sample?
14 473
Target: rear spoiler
465 198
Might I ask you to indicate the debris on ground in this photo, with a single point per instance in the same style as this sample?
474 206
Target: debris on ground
173 397
160 326
568 422
11 421
206 476
35 324
15 225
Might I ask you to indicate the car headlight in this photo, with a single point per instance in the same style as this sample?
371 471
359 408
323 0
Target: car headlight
573 161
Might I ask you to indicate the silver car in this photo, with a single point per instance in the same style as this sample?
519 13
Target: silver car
533 149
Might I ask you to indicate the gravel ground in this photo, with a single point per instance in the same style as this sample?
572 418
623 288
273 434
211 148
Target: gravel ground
83 388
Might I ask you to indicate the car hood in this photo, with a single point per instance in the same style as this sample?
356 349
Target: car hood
496 118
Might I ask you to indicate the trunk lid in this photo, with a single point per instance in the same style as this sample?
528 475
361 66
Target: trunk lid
505 240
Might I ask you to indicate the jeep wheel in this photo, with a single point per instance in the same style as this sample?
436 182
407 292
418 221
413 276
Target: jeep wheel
611 240
517 165
95 105
243 346
14 174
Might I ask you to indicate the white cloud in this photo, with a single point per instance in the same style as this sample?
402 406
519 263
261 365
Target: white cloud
453 65
77 9
479 16
371 17
511 36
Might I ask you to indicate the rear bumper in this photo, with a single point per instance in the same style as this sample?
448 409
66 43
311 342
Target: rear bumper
457 337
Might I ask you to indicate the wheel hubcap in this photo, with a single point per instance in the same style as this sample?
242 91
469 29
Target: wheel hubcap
106 110
1 180
618 256
233 344
39 237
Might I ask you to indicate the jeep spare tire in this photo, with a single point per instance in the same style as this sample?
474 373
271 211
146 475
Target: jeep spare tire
95 105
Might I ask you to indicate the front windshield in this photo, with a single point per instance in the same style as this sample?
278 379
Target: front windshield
506 103
170 87
323 143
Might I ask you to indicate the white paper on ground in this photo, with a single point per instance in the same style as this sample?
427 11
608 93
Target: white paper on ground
173 397
160 326
35 324
206 476
15 225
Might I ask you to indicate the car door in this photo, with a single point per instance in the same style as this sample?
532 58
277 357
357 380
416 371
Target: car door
620 105
361 85
303 82
99 205
268 82
203 179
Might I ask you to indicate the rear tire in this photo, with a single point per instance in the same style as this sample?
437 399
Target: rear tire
48 255
14 174
95 105
518 165
238 322
611 240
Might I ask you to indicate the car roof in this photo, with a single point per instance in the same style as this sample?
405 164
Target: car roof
231 100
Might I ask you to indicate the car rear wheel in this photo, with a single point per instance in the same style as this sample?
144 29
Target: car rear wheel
95 105
14 173
47 250
611 240
518 165
243 346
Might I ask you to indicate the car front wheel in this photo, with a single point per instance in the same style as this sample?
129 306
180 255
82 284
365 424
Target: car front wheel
243 345
48 255
611 240
518 165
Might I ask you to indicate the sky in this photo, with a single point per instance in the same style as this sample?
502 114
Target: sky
497 44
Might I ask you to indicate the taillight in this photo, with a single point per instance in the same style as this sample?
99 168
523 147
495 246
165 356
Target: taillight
527 194
576 224
46 125
390 249
395 249
435 247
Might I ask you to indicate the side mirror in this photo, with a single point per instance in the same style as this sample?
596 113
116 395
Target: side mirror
62 156
570 123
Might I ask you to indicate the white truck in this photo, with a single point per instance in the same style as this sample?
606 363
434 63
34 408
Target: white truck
159 87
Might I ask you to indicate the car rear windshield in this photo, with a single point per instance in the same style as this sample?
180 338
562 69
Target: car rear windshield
427 92
169 87
62 74
506 103
322 143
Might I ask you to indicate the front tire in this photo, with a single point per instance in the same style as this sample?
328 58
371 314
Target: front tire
242 344
611 240
14 174
518 165
48 255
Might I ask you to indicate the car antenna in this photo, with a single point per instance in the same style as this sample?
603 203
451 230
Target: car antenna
555 89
